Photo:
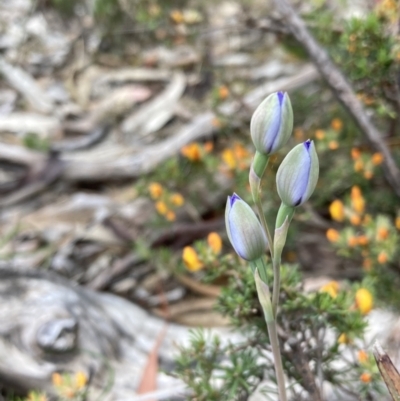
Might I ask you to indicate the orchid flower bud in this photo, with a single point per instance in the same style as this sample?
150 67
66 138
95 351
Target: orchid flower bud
244 229
297 176
272 123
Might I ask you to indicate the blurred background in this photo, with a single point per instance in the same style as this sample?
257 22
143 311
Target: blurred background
124 125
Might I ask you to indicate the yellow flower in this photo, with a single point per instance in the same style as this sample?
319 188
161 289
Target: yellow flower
331 288
362 356
80 380
343 339
161 207
191 259
176 16
57 379
320 134
377 158
155 190
229 158
382 257
332 235
355 153
336 210
214 242
177 199
170 215
397 222
366 377
192 152
337 124
364 301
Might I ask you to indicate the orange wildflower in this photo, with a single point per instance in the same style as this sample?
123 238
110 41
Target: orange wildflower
192 152
331 288
170 215
177 199
191 259
240 151
214 242
358 165
161 207
366 377
320 134
382 257
333 145
397 223
355 219
57 379
337 124
382 233
343 339
377 158
208 147
352 241
223 92
355 153
336 209
364 301
368 174
357 200
332 235
155 190
362 356
363 240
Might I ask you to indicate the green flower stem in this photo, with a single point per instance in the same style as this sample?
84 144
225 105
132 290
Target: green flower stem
260 163
284 217
264 297
280 378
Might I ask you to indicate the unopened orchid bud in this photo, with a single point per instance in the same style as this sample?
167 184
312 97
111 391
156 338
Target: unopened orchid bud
297 176
272 123
244 229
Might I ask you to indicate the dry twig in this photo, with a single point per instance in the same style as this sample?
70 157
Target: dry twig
341 88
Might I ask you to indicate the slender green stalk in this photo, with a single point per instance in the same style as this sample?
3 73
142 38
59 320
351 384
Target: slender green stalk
265 300
264 224
280 378
276 263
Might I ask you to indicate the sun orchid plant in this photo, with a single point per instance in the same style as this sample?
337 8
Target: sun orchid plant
271 127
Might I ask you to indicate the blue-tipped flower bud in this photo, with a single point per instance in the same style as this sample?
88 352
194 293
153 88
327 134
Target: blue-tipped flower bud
272 123
298 174
244 229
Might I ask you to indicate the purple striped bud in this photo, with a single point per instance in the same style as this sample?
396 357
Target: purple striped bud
244 229
297 176
272 123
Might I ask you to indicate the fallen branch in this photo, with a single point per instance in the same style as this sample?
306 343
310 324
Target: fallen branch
342 89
